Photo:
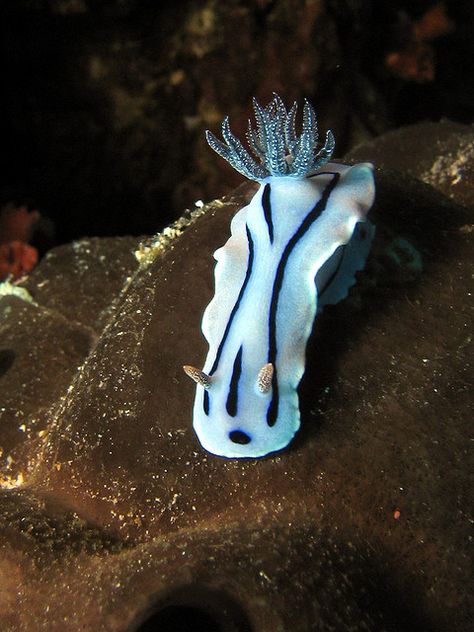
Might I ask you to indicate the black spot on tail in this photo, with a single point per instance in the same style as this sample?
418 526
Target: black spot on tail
237 436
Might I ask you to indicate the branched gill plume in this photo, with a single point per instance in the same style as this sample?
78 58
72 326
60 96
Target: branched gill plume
277 148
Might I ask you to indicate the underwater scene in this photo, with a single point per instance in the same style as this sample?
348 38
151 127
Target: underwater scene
236 316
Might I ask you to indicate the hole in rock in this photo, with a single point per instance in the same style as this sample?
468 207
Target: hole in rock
7 357
180 619
195 610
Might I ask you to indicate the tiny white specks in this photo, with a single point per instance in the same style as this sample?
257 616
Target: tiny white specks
148 251
11 482
449 169
10 289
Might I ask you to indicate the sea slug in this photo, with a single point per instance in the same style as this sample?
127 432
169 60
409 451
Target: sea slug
294 249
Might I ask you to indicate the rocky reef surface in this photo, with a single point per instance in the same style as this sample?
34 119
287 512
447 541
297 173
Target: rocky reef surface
113 518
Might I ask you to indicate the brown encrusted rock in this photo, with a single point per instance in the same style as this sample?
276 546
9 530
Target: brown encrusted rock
440 154
121 520
47 328
83 280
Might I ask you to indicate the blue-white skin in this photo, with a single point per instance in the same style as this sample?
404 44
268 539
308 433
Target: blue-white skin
294 249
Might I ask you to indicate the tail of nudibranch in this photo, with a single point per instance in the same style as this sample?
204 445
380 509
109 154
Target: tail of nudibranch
294 249
275 143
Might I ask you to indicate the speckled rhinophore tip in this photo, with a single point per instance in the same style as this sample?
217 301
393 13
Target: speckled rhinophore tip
275 143
264 379
198 376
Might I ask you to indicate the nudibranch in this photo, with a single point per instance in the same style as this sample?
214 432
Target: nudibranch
294 249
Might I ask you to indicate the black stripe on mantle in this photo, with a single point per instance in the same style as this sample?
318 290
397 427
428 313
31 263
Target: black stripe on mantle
311 217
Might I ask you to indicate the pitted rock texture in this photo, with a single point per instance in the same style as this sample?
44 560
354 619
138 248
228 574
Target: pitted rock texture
439 154
115 519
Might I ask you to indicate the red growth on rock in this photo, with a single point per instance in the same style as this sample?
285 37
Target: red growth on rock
16 226
414 61
16 259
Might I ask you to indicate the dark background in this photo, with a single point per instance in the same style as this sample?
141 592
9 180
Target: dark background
105 103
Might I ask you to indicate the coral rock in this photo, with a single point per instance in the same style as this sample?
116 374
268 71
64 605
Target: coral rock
113 518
